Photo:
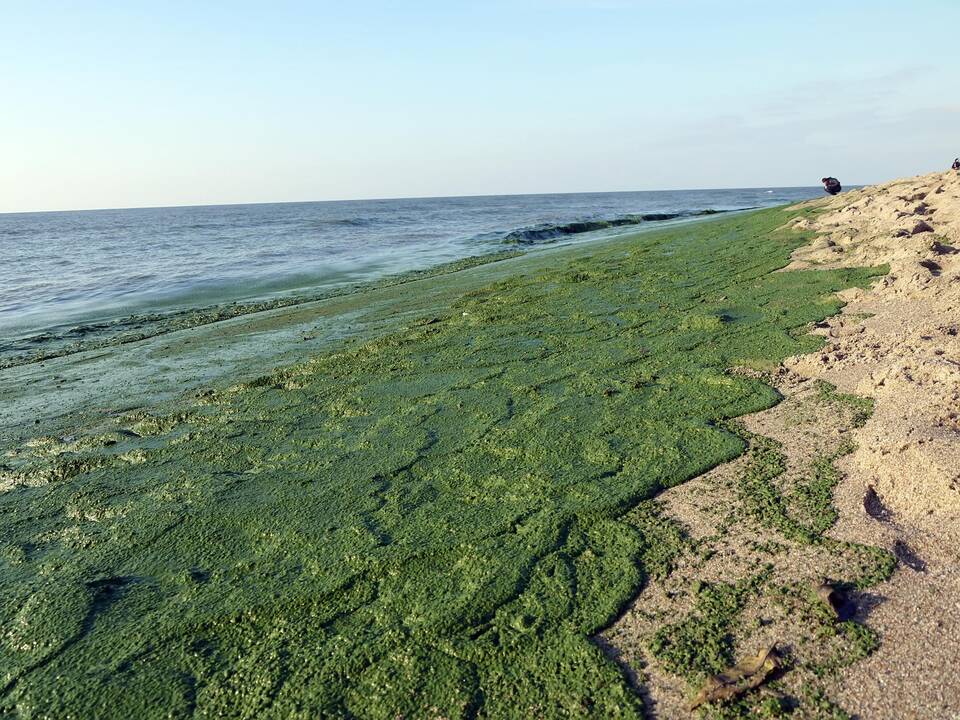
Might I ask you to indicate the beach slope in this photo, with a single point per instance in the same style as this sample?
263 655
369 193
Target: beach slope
859 459
431 521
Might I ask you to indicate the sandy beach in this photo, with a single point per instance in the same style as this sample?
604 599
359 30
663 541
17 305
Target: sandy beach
574 483
899 343
480 361
898 488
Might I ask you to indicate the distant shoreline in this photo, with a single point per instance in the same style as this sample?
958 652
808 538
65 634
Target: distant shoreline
407 197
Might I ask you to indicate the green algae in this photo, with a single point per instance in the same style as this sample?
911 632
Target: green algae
431 523
861 405
805 514
701 644
802 515
840 643
664 541
810 704
135 328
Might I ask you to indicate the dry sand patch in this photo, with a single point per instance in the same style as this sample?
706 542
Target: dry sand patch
899 344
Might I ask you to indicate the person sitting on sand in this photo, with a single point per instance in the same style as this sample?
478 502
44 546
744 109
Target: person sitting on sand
956 164
831 185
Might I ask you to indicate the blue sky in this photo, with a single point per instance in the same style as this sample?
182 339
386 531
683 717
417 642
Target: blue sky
135 103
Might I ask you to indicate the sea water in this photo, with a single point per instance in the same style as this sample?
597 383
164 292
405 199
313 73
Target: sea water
58 269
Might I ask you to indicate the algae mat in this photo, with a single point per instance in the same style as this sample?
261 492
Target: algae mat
425 524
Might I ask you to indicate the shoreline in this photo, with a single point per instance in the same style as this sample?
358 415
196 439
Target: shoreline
109 326
471 389
244 339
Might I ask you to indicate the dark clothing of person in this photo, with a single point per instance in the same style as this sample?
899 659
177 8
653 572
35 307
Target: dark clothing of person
831 185
956 164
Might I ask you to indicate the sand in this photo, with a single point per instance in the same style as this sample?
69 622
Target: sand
731 544
900 344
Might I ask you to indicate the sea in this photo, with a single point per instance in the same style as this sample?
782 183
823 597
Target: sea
62 269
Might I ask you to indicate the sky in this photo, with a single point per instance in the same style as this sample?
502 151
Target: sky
127 103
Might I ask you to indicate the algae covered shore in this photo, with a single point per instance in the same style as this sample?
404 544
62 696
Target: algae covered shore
432 520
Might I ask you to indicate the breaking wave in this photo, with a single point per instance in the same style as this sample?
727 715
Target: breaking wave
549 232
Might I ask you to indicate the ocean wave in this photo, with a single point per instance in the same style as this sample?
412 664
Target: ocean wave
550 232
360 222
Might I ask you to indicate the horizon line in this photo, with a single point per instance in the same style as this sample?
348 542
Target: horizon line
400 197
